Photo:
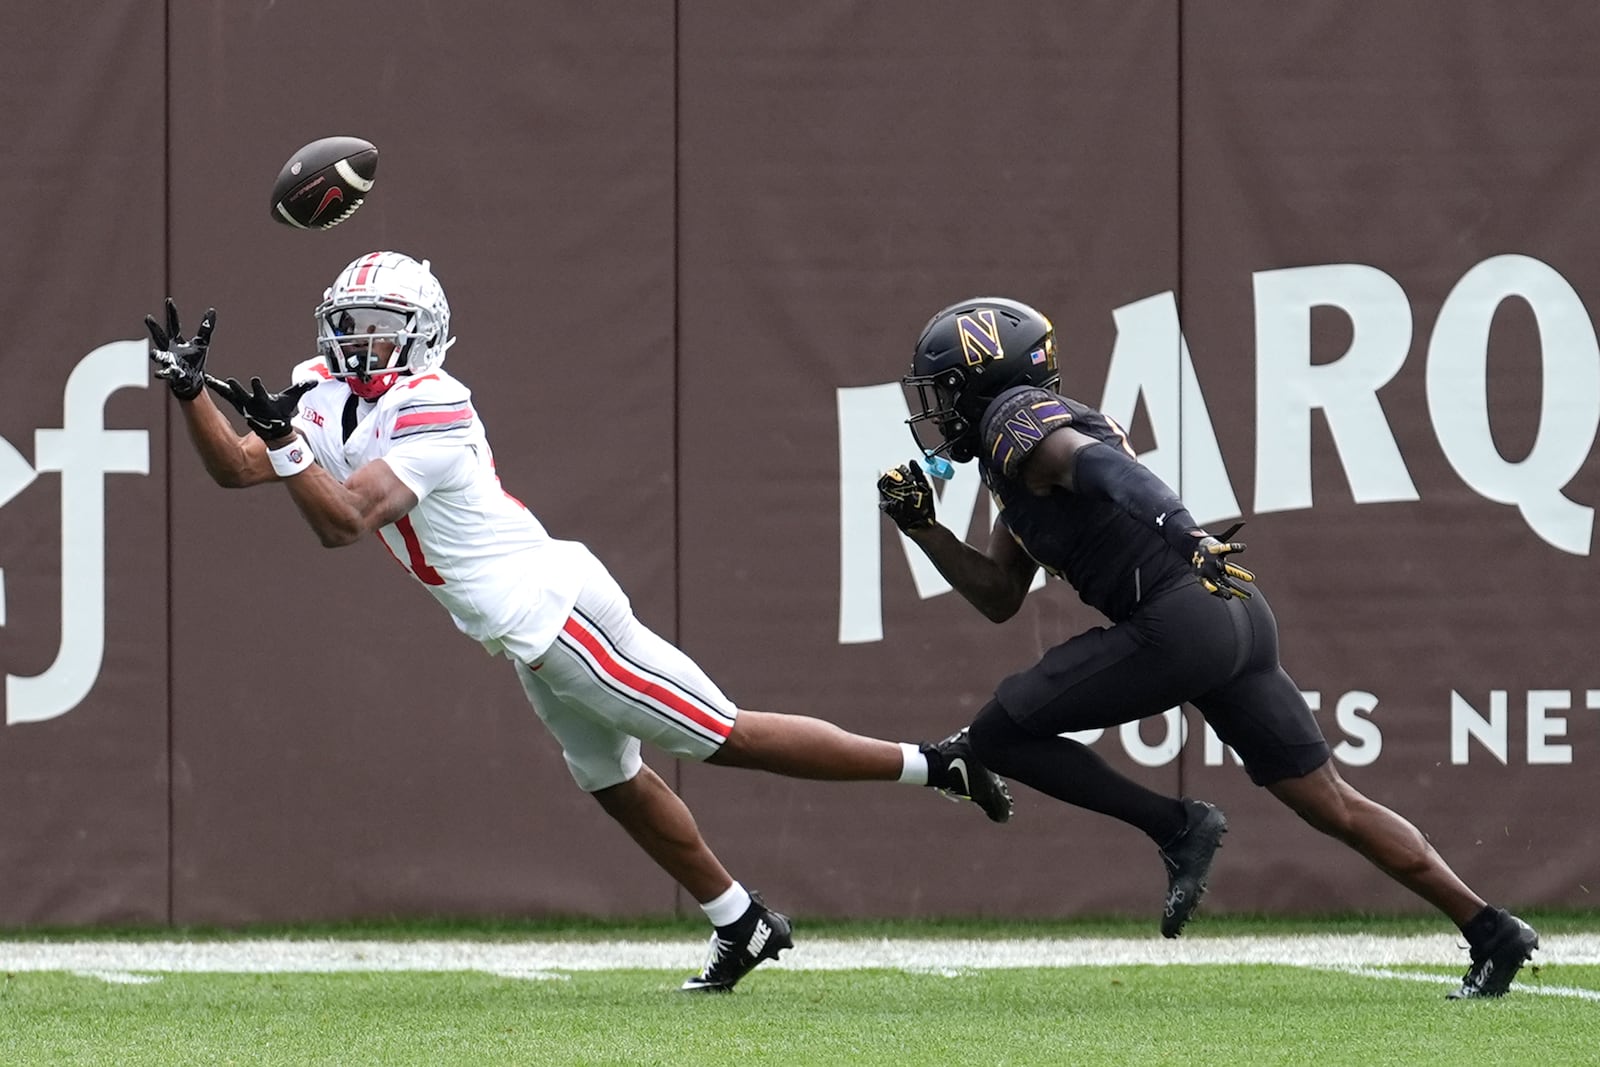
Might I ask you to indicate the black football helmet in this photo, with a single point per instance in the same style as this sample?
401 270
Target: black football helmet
967 355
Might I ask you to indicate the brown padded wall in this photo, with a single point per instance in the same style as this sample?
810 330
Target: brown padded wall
1422 141
342 749
686 247
83 793
891 166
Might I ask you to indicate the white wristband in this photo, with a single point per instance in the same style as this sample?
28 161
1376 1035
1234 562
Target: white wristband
292 458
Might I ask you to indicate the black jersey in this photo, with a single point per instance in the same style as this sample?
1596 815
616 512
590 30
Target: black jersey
1112 559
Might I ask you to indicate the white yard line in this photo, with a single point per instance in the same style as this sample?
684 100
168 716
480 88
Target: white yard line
1520 987
120 977
541 958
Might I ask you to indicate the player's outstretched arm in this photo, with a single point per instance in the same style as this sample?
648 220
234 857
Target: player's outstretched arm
231 460
341 513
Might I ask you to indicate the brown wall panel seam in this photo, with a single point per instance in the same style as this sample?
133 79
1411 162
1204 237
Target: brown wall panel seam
166 419
679 905
1182 222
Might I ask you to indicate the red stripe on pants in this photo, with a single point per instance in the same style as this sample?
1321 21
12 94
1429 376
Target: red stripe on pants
654 690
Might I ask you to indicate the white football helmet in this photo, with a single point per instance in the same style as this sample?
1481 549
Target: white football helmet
384 316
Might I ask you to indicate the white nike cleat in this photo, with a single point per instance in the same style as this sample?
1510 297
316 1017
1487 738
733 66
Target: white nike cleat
759 934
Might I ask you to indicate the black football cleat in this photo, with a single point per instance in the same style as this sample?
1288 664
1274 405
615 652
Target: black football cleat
1188 862
954 771
759 934
1497 960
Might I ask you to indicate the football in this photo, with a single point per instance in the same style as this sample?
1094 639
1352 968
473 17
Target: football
324 183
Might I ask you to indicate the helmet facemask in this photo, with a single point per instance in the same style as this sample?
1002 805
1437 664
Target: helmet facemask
369 344
940 429
385 316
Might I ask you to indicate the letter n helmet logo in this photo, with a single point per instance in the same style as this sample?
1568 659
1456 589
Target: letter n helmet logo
980 336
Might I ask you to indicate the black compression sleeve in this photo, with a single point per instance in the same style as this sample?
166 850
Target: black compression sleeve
1104 471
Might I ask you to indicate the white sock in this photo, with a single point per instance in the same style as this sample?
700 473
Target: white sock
914 771
728 907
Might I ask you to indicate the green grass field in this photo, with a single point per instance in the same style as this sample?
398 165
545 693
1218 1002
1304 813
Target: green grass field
575 1000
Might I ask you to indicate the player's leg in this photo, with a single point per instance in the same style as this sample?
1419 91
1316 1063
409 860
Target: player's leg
605 762
662 824
1187 832
1325 800
745 930
1499 942
799 746
1263 717
803 747
1071 772
1100 678
642 684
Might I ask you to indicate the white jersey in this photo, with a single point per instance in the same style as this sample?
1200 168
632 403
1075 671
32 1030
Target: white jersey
476 548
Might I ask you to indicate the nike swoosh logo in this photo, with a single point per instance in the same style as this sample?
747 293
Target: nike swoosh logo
332 196
959 766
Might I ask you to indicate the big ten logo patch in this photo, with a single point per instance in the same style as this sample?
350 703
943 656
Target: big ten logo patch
83 452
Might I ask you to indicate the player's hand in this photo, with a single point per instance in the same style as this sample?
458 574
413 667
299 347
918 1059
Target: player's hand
906 497
270 415
182 363
1211 566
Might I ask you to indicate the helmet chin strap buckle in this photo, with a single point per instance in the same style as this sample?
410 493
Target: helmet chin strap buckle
939 467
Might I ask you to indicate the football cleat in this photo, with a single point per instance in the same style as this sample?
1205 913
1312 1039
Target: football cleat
1497 960
954 771
759 934
1188 861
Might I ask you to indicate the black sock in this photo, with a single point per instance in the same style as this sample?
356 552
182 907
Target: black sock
1191 816
1073 773
1481 926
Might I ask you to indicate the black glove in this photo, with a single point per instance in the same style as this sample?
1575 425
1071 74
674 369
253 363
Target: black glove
182 363
268 414
1211 565
906 497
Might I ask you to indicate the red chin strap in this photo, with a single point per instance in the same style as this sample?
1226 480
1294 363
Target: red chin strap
374 387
